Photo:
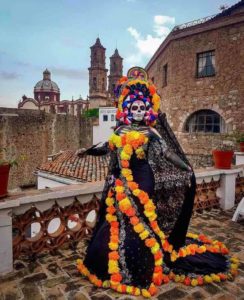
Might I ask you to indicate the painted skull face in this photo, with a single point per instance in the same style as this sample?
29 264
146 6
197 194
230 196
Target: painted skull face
138 110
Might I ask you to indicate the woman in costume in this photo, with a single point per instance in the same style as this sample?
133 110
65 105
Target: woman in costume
140 240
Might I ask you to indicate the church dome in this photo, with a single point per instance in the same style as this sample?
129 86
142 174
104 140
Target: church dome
46 85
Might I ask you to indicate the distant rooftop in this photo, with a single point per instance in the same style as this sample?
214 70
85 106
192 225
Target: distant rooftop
85 169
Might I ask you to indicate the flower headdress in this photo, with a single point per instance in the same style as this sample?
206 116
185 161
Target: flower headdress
136 87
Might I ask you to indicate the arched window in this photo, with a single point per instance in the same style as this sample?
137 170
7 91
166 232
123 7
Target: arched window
205 120
94 83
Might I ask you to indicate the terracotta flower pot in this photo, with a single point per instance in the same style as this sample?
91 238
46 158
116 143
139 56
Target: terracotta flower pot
4 174
222 158
242 146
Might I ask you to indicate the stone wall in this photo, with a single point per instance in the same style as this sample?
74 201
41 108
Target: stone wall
185 93
32 135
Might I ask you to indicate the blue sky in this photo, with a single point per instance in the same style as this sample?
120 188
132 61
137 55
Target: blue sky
57 34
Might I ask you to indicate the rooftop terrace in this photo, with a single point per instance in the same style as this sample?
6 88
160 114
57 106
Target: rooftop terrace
55 276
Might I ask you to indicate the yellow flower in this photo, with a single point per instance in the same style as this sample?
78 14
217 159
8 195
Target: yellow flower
153 217
129 289
149 206
113 267
148 213
109 201
194 282
208 279
155 248
136 192
192 235
124 204
129 178
111 218
177 278
159 262
79 261
234 260
128 149
145 293
119 189
106 284
116 140
113 246
126 172
144 234
234 266
139 227
124 156
173 256
215 277
137 291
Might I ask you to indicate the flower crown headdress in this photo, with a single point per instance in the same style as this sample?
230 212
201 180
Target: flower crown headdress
135 86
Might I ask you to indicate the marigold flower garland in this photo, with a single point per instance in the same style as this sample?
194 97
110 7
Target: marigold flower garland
127 144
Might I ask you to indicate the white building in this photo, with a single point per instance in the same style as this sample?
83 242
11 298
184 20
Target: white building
107 120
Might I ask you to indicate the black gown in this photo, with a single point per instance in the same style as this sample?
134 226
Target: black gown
172 191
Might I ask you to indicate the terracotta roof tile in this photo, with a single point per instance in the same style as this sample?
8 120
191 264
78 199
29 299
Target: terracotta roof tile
86 169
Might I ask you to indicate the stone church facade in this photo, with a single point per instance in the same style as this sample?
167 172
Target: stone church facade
101 86
199 72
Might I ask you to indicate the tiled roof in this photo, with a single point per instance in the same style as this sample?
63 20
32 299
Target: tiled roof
85 169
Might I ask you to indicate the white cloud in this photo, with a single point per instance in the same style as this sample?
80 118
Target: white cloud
147 45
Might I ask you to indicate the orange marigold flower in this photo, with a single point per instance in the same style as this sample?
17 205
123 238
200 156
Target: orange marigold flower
114 239
157 278
133 185
187 281
118 182
130 212
110 193
125 163
125 91
114 224
114 230
158 269
224 251
152 89
152 290
143 197
158 255
120 196
114 255
200 280
134 221
150 242
116 277
123 139
111 210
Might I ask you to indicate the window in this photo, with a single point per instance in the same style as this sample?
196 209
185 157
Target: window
206 64
94 82
46 98
165 75
112 118
206 120
105 118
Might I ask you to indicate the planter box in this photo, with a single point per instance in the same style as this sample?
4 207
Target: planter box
222 159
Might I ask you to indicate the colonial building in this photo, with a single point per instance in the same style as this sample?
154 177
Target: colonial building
47 92
47 97
199 71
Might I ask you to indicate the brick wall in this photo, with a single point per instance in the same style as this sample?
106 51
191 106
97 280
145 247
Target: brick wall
35 135
186 94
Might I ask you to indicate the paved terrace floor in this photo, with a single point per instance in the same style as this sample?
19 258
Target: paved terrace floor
56 277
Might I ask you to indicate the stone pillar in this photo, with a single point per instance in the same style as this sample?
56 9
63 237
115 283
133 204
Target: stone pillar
6 241
226 192
239 158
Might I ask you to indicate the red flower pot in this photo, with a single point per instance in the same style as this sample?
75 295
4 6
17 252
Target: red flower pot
4 174
222 159
242 146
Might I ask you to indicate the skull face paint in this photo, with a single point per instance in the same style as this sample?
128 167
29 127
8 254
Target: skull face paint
138 110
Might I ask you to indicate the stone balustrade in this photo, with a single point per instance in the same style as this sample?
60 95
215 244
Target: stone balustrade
47 219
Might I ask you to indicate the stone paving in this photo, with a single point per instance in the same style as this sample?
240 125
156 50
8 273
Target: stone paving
56 278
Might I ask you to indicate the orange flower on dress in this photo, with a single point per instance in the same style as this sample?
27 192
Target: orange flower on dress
113 255
118 182
134 221
150 242
125 163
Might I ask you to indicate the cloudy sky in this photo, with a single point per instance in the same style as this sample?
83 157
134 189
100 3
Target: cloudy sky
57 34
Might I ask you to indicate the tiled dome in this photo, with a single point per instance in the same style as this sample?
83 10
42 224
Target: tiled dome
46 85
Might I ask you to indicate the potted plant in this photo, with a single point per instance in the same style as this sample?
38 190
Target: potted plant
240 140
223 155
5 166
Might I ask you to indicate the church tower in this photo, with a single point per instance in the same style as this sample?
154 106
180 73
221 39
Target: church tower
97 76
116 71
